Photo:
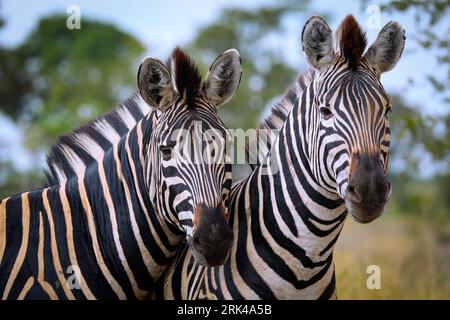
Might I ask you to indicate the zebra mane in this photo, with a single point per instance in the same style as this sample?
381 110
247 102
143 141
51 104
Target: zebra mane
278 115
185 75
77 150
281 109
352 41
80 148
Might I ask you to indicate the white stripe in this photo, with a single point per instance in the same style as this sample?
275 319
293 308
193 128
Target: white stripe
126 117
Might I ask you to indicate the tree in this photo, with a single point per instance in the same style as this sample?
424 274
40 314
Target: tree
413 131
415 137
432 35
58 78
431 19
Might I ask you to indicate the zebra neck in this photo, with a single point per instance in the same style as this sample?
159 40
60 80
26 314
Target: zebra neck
290 198
114 197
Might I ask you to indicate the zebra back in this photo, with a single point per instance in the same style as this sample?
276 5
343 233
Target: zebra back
268 129
102 131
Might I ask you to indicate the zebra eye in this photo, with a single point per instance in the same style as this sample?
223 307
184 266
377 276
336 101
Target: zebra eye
326 113
166 152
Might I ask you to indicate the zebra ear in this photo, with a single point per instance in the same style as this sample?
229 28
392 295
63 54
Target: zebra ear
155 84
223 78
387 49
317 42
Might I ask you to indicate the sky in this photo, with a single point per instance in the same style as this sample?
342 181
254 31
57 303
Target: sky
161 25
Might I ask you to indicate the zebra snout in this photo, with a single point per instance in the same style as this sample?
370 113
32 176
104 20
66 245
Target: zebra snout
368 189
213 247
212 239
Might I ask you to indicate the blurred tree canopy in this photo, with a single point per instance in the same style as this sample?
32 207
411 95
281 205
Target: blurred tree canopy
433 34
413 129
414 137
58 78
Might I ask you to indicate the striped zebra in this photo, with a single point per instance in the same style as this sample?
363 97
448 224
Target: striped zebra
331 156
121 198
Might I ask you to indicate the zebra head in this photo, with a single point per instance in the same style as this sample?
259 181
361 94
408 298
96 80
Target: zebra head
190 175
350 110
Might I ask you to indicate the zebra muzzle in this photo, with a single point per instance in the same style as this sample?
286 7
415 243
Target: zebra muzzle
368 189
212 237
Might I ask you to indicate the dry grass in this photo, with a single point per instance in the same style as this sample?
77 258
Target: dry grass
413 254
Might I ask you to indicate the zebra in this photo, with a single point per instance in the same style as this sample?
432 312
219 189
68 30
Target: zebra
121 198
331 156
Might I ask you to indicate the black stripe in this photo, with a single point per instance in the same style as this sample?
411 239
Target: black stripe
83 243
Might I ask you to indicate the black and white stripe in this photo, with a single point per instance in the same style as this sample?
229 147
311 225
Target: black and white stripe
287 221
115 210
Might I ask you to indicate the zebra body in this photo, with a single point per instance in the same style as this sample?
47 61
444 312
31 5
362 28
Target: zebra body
117 207
281 244
330 157
94 222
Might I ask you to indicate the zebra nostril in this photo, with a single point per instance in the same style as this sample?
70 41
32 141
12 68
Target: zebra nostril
352 194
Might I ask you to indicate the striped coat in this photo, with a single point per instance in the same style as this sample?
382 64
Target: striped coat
329 158
119 204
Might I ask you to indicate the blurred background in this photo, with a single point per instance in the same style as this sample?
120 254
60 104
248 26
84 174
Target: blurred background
58 72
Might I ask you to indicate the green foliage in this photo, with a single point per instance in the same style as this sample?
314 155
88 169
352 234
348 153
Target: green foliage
433 29
13 182
15 85
58 78
434 9
427 198
410 129
414 136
